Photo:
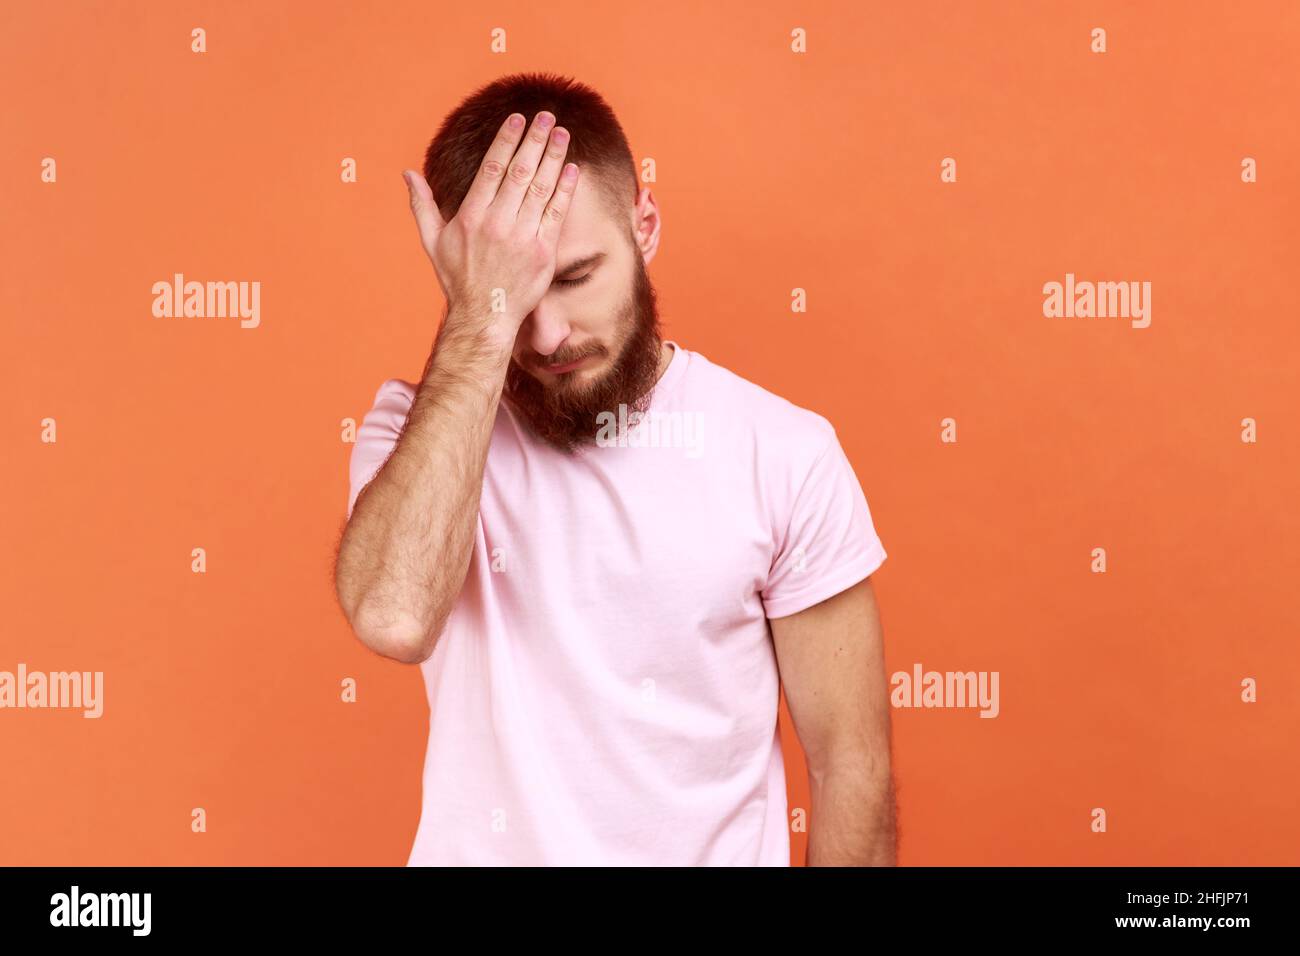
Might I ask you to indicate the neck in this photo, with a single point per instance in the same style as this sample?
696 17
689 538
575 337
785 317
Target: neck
665 357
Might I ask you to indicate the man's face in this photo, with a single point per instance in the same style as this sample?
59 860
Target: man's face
592 343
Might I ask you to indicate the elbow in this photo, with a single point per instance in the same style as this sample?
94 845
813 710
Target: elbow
398 636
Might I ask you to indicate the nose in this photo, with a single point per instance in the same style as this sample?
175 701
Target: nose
545 328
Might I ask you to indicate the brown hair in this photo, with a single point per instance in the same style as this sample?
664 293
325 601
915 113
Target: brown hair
597 142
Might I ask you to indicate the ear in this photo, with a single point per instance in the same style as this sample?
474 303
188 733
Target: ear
646 224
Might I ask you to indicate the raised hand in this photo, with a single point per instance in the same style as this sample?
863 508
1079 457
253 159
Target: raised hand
495 259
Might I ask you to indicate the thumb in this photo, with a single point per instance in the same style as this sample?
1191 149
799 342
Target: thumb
427 217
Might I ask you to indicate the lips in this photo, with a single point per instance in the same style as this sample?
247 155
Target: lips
568 367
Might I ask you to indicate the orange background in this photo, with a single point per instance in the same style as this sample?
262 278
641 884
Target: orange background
775 171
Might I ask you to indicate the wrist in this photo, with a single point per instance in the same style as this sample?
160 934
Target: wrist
470 350
490 333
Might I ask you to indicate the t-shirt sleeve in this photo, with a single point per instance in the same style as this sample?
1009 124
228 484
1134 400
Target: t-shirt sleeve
377 436
830 542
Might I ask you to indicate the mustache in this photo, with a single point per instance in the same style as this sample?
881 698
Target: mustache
565 357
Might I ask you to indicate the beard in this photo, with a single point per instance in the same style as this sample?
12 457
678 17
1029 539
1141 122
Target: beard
564 415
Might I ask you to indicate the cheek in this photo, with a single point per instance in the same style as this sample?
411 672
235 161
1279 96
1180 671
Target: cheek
602 313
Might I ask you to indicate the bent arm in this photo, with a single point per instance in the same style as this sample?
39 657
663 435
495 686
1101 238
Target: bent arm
406 550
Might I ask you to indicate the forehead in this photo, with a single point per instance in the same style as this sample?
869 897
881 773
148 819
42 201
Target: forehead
589 221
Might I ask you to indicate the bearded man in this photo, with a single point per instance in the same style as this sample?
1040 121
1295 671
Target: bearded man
603 627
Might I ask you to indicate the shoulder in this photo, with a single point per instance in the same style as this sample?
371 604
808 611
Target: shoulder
378 433
748 412
392 402
382 424
394 392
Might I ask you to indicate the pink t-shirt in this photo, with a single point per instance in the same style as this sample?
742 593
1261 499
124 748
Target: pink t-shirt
605 691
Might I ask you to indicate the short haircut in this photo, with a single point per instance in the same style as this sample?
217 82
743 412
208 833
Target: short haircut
596 140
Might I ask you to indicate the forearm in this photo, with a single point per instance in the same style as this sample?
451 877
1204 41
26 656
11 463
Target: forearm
405 553
407 547
854 819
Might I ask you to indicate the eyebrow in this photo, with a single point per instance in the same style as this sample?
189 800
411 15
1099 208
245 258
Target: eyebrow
579 263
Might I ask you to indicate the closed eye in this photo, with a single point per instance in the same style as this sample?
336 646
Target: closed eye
572 282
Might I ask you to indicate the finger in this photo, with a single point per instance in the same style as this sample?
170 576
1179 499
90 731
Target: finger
558 207
427 217
539 191
492 169
520 172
